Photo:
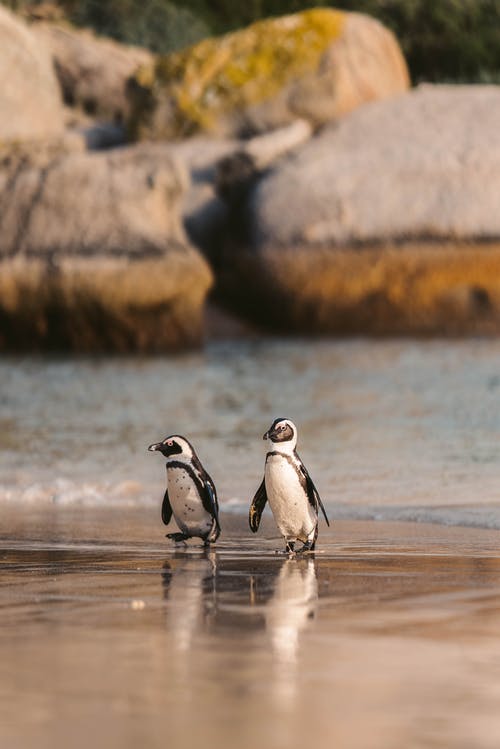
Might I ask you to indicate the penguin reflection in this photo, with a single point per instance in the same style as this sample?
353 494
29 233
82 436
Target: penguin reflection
287 614
189 587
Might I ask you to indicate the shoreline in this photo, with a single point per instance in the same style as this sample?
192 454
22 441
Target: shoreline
139 528
478 516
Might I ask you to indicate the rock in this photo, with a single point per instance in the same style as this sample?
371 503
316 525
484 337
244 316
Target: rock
264 149
93 255
204 213
314 65
209 161
30 100
102 135
92 71
411 167
94 135
387 222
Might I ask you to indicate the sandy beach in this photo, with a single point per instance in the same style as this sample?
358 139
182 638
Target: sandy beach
386 637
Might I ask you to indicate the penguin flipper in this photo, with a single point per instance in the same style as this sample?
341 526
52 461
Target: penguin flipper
209 499
207 491
257 507
166 509
313 496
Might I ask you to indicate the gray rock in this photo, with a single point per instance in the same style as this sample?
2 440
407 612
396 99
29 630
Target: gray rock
208 160
92 71
93 254
30 99
422 165
204 213
100 136
387 221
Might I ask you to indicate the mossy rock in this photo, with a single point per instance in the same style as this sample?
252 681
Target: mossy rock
266 75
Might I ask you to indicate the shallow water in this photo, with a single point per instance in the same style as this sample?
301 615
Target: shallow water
385 638
403 430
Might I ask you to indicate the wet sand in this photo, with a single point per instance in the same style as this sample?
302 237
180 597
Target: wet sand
387 637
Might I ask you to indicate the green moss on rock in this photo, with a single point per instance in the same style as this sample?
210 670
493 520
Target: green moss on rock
193 89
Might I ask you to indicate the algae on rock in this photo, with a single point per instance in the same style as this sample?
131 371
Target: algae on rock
220 83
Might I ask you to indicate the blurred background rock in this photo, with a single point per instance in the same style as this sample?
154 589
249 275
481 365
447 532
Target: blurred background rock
273 180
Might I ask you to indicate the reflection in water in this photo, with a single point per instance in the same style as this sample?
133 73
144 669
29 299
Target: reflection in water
293 603
288 612
189 586
210 597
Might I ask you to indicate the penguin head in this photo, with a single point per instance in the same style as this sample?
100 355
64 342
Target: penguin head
173 446
282 432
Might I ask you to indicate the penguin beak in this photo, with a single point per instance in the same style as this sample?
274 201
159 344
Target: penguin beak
156 446
266 435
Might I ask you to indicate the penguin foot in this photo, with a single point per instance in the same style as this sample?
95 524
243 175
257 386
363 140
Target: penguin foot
177 537
308 547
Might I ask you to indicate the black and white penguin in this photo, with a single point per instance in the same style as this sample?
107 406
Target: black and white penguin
292 496
190 495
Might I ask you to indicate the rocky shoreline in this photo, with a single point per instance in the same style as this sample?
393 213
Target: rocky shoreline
337 201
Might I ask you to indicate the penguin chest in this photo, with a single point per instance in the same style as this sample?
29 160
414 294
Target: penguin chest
288 500
185 500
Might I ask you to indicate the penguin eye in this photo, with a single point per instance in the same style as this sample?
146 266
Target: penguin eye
283 426
170 443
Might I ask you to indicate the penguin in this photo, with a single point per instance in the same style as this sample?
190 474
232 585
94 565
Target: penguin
293 498
190 496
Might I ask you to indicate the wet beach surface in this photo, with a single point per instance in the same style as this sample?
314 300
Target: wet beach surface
387 637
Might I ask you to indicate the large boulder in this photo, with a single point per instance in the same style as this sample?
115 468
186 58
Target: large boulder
92 71
93 254
30 99
387 222
314 65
